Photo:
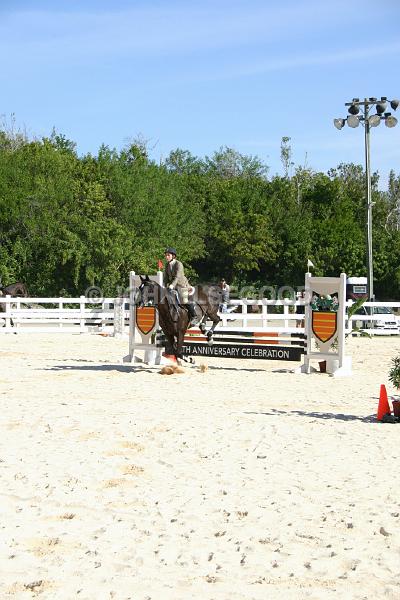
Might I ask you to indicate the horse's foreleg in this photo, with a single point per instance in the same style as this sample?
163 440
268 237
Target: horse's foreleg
179 346
171 344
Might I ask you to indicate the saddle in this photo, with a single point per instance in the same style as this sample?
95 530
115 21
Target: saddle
174 303
172 297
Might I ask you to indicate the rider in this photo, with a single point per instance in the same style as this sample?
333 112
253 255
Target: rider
174 278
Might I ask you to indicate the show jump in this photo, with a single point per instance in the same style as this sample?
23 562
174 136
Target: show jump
323 337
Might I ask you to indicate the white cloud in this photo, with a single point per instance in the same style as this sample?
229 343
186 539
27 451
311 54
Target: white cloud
295 61
223 39
174 28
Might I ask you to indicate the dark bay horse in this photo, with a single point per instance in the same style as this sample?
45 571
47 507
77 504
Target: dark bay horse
174 318
17 289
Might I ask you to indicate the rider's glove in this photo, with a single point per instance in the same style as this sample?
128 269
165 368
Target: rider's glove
170 287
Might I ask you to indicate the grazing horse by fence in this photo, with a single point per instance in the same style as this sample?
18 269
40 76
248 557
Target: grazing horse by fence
17 289
174 318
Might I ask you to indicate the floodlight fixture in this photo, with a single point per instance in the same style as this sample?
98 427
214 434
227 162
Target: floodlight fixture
339 123
381 107
353 121
390 121
374 120
354 109
394 104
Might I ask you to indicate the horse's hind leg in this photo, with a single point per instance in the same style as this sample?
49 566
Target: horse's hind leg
215 319
202 324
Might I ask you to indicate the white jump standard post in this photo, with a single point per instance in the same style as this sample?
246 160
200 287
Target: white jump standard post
119 317
143 323
325 316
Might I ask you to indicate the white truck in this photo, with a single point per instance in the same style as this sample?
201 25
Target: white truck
375 318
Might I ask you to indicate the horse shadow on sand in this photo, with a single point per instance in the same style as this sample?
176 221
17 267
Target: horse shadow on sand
138 368
100 368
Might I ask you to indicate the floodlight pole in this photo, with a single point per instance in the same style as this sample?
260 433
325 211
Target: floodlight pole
367 121
370 266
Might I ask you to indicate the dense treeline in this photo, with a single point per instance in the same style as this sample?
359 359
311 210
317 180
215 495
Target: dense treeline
70 222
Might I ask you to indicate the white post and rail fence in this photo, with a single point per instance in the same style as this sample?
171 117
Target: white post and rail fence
114 316
61 315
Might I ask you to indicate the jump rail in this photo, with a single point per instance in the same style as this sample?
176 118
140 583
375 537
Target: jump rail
239 343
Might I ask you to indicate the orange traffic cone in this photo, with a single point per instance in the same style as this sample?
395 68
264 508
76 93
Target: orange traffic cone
383 406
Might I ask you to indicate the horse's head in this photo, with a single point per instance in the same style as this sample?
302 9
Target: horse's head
147 293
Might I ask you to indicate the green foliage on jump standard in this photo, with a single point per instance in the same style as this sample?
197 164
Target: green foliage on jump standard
394 372
69 222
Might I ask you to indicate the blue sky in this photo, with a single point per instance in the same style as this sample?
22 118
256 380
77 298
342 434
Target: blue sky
199 75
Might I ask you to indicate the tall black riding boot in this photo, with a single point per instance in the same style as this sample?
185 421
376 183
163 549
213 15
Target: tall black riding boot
194 319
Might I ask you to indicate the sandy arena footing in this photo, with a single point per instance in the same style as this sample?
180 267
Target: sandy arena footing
239 481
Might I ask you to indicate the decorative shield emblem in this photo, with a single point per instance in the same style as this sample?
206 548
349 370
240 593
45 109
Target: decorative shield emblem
324 325
145 318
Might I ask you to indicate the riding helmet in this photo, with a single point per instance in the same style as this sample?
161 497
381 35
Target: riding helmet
170 251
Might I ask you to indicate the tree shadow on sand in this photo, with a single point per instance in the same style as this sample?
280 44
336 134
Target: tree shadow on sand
316 415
